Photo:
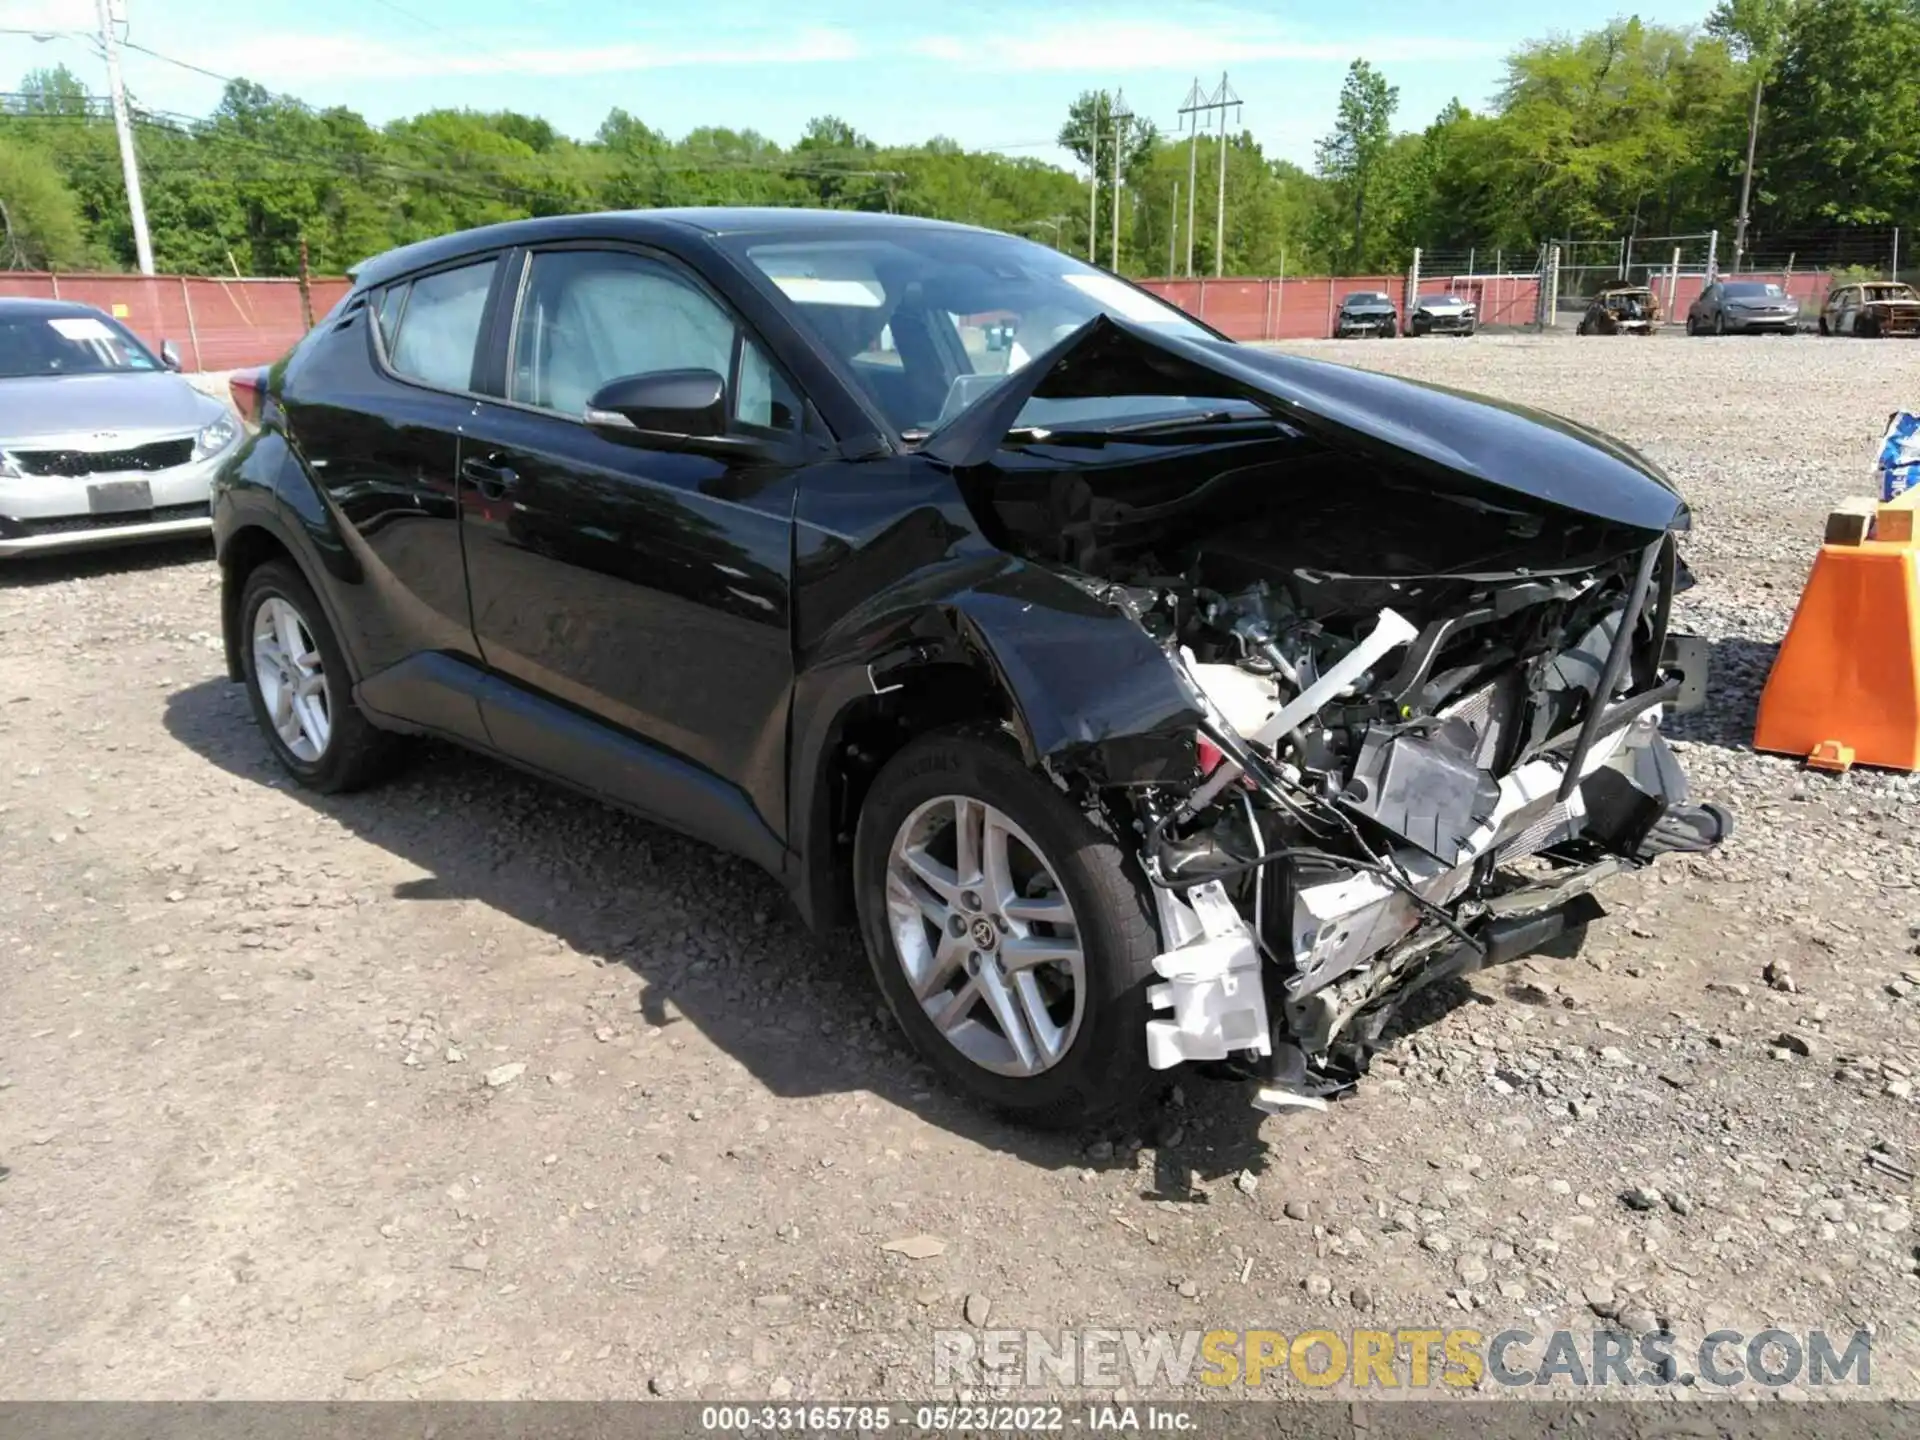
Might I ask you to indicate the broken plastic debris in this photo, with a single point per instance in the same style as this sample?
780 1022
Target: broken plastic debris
1212 987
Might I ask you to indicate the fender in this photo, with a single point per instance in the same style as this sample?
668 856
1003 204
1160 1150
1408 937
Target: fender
267 488
1086 693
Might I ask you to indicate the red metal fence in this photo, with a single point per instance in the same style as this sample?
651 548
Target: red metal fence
1302 308
218 324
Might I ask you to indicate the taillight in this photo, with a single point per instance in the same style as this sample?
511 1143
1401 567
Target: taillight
249 391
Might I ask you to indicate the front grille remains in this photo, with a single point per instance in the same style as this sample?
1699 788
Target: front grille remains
79 524
160 455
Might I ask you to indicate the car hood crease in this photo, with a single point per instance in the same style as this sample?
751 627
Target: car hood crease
1391 420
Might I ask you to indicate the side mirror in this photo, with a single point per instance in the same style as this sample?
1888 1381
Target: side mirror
170 355
670 410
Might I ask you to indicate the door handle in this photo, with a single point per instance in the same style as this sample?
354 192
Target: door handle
491 480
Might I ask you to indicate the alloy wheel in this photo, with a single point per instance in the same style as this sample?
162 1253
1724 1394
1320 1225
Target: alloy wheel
292 679
985 935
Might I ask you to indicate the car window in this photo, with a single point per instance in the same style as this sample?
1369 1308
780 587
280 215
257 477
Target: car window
76 343
590 316
439 326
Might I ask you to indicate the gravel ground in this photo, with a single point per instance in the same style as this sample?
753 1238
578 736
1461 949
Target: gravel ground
469 1088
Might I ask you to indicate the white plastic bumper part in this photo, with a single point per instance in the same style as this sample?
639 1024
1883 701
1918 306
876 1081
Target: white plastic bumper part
1213 988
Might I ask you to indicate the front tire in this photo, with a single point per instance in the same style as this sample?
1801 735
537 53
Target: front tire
1012 937
301 689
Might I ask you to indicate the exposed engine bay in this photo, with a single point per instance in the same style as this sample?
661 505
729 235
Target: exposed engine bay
1409 767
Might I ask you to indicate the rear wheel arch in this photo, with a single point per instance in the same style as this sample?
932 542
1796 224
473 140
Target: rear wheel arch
243 552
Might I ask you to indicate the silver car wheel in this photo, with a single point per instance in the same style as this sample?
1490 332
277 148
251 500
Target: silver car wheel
985 935
292 679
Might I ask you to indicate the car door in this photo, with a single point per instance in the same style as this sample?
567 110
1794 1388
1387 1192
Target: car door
1848 312
640 587
376 408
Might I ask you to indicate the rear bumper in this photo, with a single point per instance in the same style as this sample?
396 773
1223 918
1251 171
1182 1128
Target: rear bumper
41 514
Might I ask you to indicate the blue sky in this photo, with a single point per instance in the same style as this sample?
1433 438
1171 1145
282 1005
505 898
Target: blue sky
988 73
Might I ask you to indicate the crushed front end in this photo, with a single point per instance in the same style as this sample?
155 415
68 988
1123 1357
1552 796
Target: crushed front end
1425 641
1383 804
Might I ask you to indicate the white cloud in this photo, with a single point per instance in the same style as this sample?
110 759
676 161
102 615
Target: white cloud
291 59
1147 44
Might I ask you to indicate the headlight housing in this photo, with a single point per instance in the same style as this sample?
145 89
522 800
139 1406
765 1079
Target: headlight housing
7 469
215 437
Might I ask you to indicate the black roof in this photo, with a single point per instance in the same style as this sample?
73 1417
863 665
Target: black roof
19 308
638 225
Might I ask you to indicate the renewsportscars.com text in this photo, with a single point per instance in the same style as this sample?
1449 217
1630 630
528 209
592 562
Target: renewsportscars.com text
1402 1359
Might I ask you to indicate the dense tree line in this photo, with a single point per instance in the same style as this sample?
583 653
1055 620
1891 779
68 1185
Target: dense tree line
1629 129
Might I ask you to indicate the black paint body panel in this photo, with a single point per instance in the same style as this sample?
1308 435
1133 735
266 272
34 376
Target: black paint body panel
687 636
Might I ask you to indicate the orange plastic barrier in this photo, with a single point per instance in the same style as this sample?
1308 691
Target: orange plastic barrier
1845 687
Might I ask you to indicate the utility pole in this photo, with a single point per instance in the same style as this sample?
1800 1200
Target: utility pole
1746 176
136 202
1173 226
1093 193
1225 98
1120 117
1196 98
1222 100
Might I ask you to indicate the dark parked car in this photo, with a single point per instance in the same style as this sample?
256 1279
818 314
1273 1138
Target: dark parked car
1736 307
1158 699
1366 312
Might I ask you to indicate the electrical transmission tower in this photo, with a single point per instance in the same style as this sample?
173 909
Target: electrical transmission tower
1198 103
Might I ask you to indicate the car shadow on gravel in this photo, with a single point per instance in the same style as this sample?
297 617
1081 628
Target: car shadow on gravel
1737 670
714 941
25 571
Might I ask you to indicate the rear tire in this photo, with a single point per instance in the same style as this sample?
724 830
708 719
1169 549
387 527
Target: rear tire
1098 1024
301 689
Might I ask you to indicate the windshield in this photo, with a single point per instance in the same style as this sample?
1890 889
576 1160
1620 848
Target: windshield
928 321
42 345
1754 290
1366 297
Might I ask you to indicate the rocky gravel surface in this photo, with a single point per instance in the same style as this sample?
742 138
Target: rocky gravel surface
469 1088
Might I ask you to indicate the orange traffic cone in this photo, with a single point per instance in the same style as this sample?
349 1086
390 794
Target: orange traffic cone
1845 686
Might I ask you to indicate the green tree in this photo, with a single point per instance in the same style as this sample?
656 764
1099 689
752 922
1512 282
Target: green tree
1846 115
1757 32
40 226
1091 125
52 92
1352 158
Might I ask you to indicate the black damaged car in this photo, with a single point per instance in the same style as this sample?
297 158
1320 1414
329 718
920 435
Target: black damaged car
1143 697
1366 313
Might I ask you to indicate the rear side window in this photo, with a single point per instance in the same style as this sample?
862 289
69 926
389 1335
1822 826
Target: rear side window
431 326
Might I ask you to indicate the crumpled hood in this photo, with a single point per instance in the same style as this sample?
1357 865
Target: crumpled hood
73 408
1401 422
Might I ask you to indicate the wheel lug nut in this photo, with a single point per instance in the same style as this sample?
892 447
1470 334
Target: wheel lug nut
973 962
970 900
956 925
1000 923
